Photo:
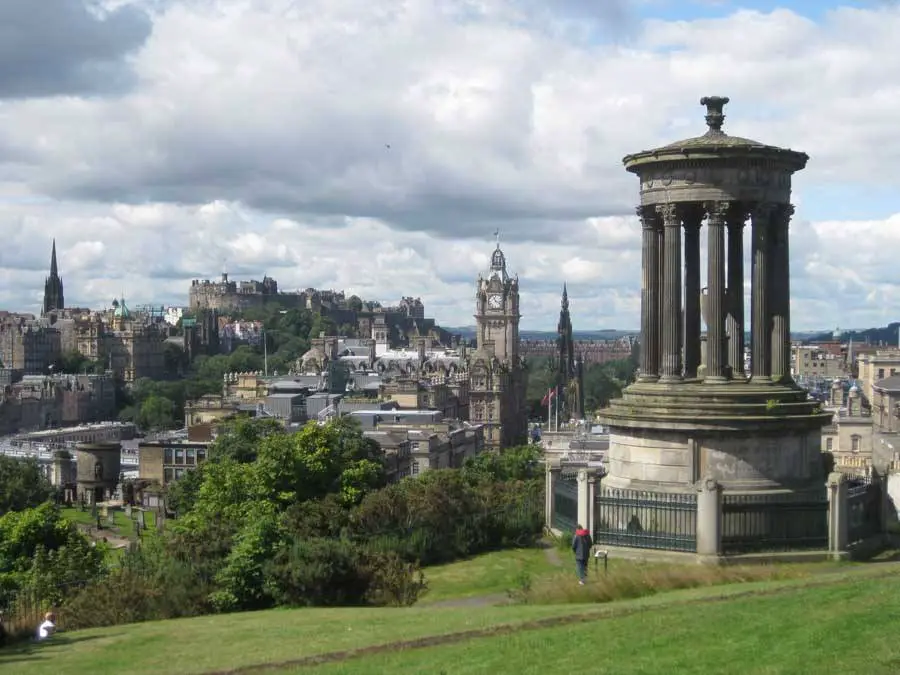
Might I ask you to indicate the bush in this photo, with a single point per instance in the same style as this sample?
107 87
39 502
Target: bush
336 573
150 585
441 516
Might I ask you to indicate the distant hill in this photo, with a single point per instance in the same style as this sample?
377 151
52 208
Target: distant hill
609 334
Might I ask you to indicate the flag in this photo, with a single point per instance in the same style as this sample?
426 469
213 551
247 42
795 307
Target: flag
549 397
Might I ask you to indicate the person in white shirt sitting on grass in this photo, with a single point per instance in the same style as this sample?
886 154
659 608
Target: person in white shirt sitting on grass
47 628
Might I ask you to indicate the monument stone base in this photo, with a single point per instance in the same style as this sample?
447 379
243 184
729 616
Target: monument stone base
750 438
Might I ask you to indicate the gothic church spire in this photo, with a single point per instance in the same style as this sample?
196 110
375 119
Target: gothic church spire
53 287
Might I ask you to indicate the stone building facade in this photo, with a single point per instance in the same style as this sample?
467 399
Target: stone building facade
28 344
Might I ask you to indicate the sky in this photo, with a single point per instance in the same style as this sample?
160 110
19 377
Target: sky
375 146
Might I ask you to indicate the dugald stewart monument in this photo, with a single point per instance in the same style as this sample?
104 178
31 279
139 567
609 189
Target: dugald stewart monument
696 412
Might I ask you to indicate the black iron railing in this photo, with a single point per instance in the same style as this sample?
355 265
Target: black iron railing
643 519
863 509
774 523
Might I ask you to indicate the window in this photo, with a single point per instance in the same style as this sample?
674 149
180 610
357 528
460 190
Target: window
201 455
179 455
415 468
190 457
179 473
168 475
168 456
854 443
881 373
829 444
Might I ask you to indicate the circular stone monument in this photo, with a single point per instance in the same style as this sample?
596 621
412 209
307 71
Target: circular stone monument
98 467
752 430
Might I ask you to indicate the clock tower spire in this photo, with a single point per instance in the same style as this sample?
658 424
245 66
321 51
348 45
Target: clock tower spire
497 374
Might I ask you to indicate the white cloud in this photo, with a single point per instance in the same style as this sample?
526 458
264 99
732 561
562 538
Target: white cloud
375 146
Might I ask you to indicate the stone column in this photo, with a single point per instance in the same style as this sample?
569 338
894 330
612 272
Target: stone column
660 268
709 518
670 370
692 326
760 323
735 318
781 294
715 279
650 304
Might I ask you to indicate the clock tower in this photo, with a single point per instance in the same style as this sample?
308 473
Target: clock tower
497 376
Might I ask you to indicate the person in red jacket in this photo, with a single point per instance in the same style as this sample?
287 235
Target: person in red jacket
581 546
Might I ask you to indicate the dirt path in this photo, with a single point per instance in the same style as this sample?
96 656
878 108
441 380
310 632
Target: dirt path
491 600
553 556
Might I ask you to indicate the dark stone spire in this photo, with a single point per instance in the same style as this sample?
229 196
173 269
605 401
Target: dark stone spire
565 342
53 287
54 270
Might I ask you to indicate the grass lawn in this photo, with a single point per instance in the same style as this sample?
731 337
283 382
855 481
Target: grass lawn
839 622
847 628
488 574
222 642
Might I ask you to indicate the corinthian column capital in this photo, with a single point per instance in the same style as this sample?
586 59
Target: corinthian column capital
669 215
718 211
645 215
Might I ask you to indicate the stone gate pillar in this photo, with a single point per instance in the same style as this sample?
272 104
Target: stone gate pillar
709 518
584 511
838 514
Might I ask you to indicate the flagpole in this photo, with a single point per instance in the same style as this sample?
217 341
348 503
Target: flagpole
549 412
556 396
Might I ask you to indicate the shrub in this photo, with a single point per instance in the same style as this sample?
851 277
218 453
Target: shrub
318 572
441 516
394 582
150 585
334 572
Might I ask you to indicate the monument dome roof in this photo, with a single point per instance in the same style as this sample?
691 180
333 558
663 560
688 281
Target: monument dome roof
715 142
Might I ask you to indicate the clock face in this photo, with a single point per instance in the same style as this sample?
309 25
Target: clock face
495 301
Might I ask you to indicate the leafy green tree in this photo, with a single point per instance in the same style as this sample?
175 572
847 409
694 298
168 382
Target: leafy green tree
522 462
23 484
39 546
239 439
256 473
158 412
245 359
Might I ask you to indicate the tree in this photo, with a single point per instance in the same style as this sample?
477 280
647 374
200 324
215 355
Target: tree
40 547
23 484
522 462
157 412
255 474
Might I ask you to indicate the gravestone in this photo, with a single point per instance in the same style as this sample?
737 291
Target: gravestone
104 511
111 518
140 519
128 511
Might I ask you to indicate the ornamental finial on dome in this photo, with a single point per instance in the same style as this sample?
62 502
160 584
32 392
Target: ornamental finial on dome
715 117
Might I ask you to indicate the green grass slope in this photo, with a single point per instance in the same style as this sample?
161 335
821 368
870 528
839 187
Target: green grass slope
841 621
841 625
